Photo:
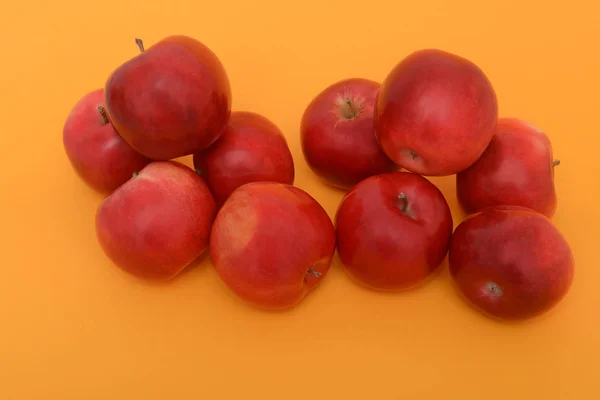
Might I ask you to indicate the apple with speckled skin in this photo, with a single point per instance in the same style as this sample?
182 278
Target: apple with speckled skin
517 168
251 149
171 100
435 113
158 222
510 262
337 137
99 156
272 244
393 231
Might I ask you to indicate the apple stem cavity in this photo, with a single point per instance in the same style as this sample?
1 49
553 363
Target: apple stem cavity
314 273
555 163
140 44
493 289
102 112
403 203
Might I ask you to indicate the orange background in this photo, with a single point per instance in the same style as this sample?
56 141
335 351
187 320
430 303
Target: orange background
74 327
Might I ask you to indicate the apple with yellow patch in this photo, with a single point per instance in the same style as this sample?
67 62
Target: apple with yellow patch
158 222
271 244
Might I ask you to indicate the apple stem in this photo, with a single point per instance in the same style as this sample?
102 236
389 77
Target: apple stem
140 44
555 163
135 173
102 112
403 204
314 273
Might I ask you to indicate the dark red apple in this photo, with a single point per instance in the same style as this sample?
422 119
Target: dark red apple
158 222
272 244
511 262
516 169
435 113
393 230
95 150
251 149
337 137
171 100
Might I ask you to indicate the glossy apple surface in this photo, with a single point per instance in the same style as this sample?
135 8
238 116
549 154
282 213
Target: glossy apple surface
511 262
516 169
158 222
251 149
435 113
393 230
337 137
272 244
171 100
99 156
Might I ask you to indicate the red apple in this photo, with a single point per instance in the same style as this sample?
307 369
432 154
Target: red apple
337 136
435 113
251 149
95 150
171 100
271 244
393 230
158 222
516 169
510 262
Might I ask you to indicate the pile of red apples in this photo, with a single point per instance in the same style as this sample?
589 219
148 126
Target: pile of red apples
270 242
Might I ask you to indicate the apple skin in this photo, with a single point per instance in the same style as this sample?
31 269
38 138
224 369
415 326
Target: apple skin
393 231
337 137
158 222
510 262
171 100
99 156
517 169
435 113
251 149
272 244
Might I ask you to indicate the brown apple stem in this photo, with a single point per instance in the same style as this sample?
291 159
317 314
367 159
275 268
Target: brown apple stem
314 273
555 163
403 203
140 44
102 112
135 173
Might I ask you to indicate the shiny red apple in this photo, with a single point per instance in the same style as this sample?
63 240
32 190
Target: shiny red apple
337 137
511 262
158 222
99 156
517 169
272 244
171 100
435 113
251 149
393 230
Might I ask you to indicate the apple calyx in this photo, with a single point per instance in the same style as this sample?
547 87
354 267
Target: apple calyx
314 273
140 44
555 163
404 206
493 289
103 114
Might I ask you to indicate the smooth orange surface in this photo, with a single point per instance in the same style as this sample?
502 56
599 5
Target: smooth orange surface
75 327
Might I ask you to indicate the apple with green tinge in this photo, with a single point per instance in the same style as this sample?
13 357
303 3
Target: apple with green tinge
393 231
171 100
158 222
435 113
272 244
337 137
95 150
517 169
251 149
510 262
